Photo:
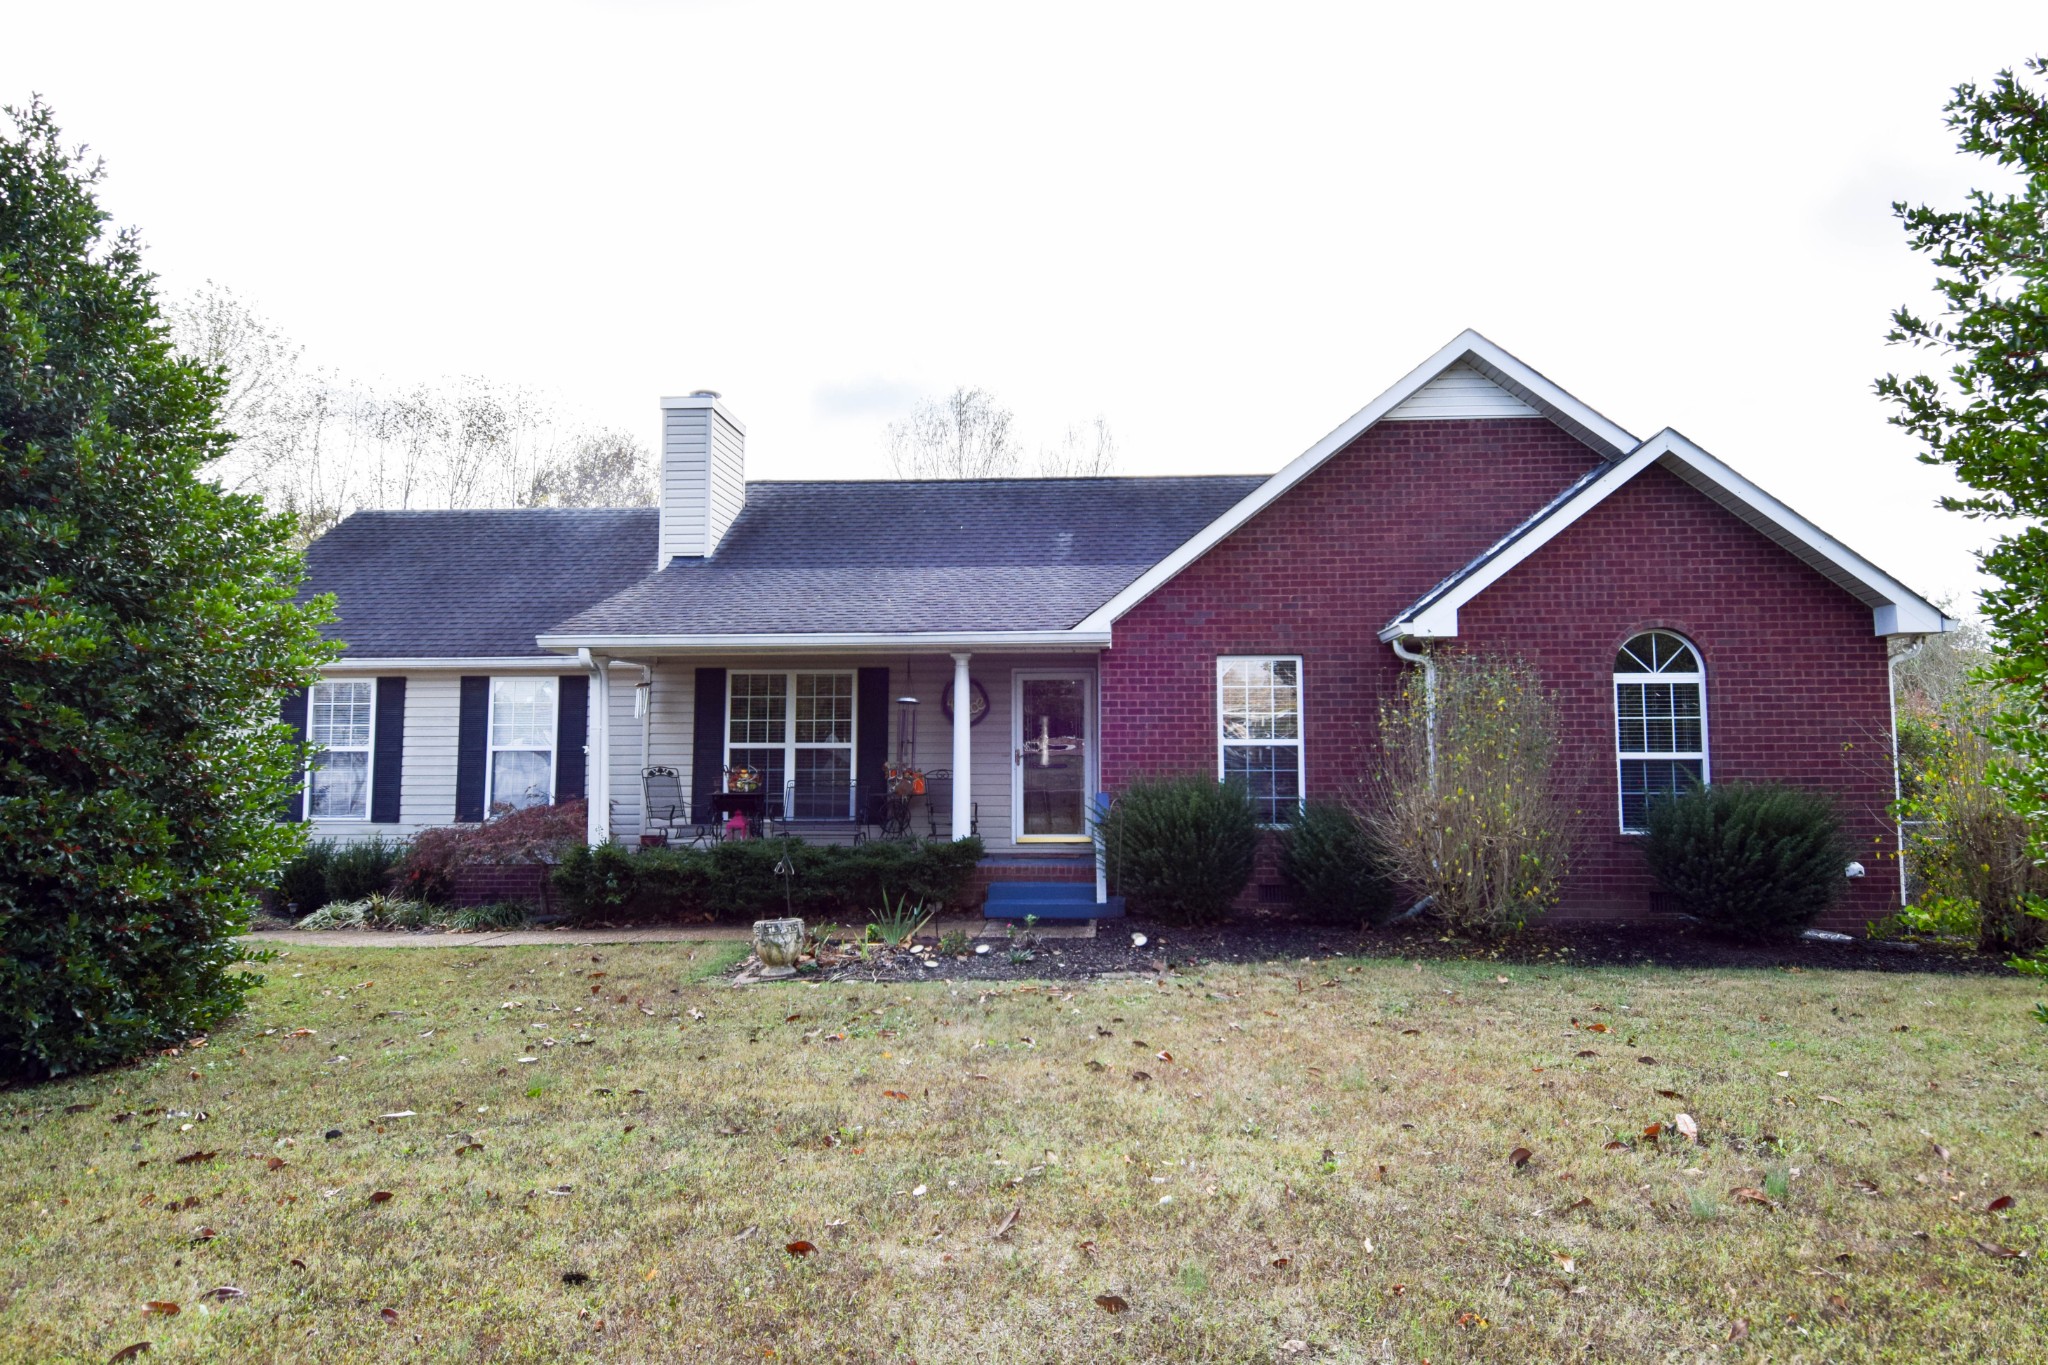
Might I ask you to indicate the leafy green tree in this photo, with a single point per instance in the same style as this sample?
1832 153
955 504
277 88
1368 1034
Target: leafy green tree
147 630
1989 420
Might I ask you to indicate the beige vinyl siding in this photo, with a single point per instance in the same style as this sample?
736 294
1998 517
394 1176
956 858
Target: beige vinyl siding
1460 392
685 481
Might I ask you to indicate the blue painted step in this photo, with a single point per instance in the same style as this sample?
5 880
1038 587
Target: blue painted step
1049 901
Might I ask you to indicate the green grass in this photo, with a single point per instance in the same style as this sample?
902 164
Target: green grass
1320 1171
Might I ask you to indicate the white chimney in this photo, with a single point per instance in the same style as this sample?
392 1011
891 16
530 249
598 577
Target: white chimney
703 474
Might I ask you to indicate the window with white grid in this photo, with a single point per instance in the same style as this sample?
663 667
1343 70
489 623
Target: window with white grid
1258 707
522 768
1660 723
795 731
338 726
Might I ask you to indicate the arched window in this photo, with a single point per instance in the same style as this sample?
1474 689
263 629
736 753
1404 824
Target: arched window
1660 723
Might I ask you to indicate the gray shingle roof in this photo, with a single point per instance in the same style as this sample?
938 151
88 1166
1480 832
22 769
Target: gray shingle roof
911 556
473 584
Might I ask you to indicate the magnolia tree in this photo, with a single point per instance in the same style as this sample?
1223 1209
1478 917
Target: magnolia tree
147 630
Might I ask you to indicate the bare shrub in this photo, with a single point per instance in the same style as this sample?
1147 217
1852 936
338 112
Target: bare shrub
1468 804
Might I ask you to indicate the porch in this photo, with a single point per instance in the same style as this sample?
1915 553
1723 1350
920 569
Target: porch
837 748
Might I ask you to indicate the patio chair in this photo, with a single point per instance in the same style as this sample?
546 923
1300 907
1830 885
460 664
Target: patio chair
666 809
938 804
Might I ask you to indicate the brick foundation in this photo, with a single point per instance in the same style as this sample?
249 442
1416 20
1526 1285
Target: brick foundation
481 884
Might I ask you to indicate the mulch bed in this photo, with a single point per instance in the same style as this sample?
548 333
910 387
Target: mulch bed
1283 941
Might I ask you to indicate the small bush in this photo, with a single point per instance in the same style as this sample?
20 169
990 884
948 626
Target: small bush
536 834
362 868
1755 861
1181 848
337 915
1328 858
302 882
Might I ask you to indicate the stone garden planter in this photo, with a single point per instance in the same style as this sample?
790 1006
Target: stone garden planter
778 943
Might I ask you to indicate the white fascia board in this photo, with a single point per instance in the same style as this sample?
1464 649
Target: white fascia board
1496 364
521 664
697 400
885 641
1895 608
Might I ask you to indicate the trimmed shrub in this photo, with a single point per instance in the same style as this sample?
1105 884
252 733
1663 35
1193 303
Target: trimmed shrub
537 834
736 879
1181 848
496 915
302 882
1754 861
1330 862
362 868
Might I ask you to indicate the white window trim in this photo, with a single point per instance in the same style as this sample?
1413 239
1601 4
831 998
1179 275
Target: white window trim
1300 740
492 747
368 749
1705 752
790 744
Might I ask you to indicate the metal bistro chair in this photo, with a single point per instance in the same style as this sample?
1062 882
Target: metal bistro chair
666 810
938 803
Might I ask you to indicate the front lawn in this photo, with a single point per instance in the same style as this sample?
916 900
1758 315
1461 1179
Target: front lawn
596 1154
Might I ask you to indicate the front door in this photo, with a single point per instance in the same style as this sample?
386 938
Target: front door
1053 756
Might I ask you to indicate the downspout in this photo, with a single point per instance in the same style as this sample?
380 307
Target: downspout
1891 687
1401 651
597 736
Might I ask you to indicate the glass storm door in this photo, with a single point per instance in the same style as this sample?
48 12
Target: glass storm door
1054 760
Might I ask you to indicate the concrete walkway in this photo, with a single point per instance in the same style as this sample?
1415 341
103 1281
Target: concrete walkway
570 938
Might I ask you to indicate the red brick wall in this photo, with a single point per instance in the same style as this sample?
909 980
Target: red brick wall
487 883
1796 681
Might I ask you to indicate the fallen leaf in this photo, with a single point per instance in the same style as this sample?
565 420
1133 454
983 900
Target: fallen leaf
1688 1127
1749 1194
894 1095
128 1353
1565 1263
397 1114
1588 1052
1671 1094
190 1157
1282 1262
1653 1131
1615 1146
1164 1056
1003 1228
469 1147
204 1235
275 1163
1994 1249
1738 1330
1647 1061
1582 1202
380 1197
799 1249
163 1308
1829 1099
299 1263
1110 1303
1519 1157
225 1292
389 1315
1939 1150
1141 1075
2004 1201
1867 1186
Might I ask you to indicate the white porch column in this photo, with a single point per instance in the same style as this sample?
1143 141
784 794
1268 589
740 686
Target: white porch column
598 752
963 776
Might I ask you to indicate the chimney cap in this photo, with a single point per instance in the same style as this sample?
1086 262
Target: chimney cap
705 393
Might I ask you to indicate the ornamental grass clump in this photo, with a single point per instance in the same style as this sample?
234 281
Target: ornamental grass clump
1470 805
1754 861
1181 848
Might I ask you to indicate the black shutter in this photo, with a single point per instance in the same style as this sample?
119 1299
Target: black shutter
387 761
707 750
293 712
871 728
572 737
471 734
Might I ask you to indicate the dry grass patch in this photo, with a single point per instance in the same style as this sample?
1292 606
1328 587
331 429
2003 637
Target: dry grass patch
1253 1165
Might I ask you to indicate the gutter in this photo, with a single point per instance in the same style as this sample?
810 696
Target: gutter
1891 690
1401 651
883 641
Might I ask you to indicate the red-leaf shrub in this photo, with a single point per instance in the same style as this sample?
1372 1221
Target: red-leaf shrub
537 834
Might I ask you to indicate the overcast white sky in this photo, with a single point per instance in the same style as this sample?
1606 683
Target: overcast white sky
1223 229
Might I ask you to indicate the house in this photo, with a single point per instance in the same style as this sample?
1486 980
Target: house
782 646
